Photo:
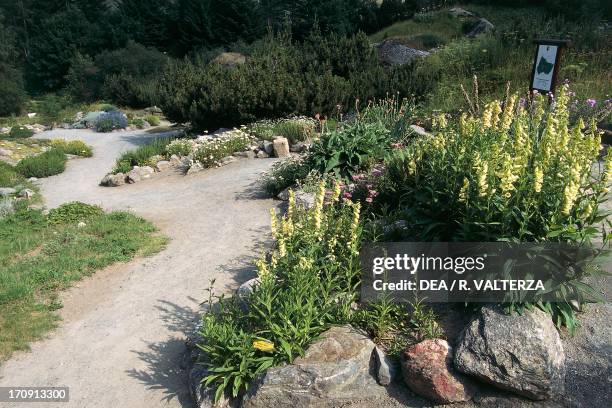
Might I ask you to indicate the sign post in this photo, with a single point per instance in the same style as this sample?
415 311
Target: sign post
546 65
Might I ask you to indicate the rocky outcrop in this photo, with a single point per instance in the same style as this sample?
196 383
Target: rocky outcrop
335 370
518 353
393 52
483 26
427 368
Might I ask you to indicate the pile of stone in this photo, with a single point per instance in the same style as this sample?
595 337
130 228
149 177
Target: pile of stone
520 354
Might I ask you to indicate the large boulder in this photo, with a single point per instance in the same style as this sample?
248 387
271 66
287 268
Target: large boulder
427 368
302 198
393 52
113 180
139 173
281 147
483 26
518 353
335 370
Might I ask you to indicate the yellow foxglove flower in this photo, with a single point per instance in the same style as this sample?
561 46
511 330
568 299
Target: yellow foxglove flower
273 222
463 192
336 192
538 175
487 116
263 345
508 114
318 207
495 111
291 206
507 176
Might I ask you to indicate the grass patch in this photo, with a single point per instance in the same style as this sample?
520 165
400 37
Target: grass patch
74 147
46 164
41 255
9 176
141 156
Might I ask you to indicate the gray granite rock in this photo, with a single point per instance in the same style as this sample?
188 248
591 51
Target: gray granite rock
518 353
335 370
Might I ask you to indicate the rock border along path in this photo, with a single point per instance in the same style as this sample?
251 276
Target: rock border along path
121 342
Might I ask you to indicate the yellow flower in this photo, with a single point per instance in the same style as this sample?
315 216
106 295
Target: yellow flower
291 206
263 345
273 222
506 176
463 192
606 177
262 268
318 207
570 193
487 116
481 168
336 192
495 111
508 114
538 179
354 225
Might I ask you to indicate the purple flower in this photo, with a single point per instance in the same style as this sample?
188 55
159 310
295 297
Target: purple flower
591 102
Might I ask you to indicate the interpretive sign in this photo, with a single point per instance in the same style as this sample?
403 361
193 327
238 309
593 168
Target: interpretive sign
546 64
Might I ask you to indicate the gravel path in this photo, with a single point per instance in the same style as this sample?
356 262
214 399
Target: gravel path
122 339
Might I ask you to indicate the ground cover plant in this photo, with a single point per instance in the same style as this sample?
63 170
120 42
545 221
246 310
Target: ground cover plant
48 163
74 147
210 152
40 255
19 132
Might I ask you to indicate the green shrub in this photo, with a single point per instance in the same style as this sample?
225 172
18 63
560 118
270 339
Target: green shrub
138 122
209 153
20 132
308 284
152 119
107 107
74 147
283 174
349 149
141 156
278 79
12 90
46 164
73 212
519 175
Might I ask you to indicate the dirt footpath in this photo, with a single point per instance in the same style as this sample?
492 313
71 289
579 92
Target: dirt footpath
122 338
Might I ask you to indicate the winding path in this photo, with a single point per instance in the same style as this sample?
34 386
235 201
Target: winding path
121 342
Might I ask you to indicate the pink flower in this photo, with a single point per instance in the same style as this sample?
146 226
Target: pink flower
369 200
347 195
373 193
369 186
